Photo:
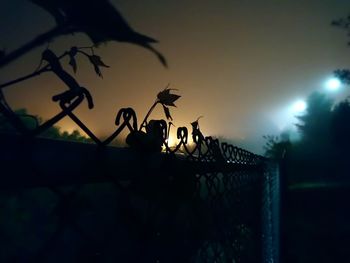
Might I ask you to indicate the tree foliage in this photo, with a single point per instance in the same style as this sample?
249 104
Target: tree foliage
315 123
276 147
31 122
321 153
344 24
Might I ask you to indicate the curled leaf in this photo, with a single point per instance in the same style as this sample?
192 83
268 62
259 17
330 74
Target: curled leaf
97 62
166 98
167 113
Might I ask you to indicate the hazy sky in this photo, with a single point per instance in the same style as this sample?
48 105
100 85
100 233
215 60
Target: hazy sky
240 64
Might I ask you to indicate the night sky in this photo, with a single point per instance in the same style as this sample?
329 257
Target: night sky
240 64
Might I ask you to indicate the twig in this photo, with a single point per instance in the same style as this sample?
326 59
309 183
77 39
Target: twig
36 73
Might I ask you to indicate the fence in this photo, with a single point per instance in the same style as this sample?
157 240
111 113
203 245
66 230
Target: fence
76 202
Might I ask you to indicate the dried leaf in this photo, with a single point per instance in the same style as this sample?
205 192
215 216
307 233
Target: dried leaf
195 124
166 98
167 113
73 63
98 71
96 60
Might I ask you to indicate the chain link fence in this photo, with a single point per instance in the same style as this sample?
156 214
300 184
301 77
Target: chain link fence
60 201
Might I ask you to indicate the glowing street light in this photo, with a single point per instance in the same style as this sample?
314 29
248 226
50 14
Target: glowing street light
333 84
299 106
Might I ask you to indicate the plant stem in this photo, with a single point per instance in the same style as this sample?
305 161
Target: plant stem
23 78
36 73
143 124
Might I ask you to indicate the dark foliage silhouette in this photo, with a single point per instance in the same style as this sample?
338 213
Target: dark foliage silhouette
343 75
174 206
340 126
68 100
344 24
152 134
321 152
315 123
74 88
276 147
32 122
197 135
100 20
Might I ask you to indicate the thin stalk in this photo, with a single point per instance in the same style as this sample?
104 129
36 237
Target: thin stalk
143 124
12 82
36 73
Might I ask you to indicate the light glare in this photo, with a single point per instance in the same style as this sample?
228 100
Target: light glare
299 106
333 84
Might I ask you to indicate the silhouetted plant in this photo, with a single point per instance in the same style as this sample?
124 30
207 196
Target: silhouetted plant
68 100
98 19
197 135
95 60
152 134
166 99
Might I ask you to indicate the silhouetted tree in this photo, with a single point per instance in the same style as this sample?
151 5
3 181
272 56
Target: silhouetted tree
28 120
31 122
340 126
314 125
276 147
344 24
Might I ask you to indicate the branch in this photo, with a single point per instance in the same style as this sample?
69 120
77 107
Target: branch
36 73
